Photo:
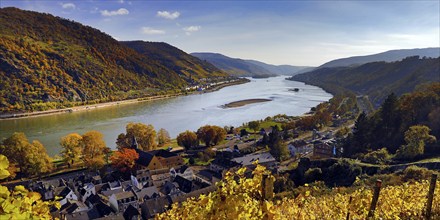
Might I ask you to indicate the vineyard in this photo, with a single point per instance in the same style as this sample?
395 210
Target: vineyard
238 197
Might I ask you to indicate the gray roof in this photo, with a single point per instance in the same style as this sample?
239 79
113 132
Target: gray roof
250 158
149 192
124 195
111 192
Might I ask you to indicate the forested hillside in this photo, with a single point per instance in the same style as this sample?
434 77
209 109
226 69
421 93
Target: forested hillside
51 62
388 126
377 79
175 59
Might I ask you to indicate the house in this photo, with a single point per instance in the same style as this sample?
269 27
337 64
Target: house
120 201
322 149
299 147
147 193
152 207
168 159
170 188
103 210
87 190
111 188
67 194
131 213
142 179
147 161
220 164
72 209
265 159
185 185
160 178
207 177
184 171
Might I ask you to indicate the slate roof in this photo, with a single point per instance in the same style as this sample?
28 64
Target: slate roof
184 184
163 153
149 192
65 192
111 192
225 163
155 206
250 158
130 212
208 175
144 157
124 195
103 209
195 194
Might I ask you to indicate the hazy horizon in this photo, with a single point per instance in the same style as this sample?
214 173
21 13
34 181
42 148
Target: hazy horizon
300 33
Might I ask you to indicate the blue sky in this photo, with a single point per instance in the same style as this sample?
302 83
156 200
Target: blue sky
275 32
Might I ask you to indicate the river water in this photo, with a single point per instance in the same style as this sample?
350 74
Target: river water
175 114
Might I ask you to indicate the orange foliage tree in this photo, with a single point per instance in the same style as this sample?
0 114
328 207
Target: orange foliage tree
124 159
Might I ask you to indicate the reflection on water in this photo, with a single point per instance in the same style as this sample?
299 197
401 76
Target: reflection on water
175 114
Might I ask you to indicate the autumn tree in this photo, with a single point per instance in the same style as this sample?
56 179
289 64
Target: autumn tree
72 151
416 138
31 158
211 134
187 139
254 125
145 136
38 161
93 147
124 159
163 137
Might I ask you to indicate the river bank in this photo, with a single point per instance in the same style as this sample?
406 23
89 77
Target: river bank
122 102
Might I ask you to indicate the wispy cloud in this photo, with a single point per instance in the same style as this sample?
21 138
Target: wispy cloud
68 5
152 31
121 1
168 15
190 29
121 11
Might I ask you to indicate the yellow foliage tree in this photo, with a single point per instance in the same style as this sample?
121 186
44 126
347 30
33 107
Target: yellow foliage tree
20 203
72 151
93 148
31 158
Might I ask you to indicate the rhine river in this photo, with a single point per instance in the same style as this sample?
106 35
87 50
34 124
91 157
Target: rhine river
175 114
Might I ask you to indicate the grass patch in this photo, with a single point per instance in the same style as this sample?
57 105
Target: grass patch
197 162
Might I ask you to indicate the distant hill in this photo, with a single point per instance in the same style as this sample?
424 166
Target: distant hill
287 70
51 62
376 79
388 56
234 66
240 67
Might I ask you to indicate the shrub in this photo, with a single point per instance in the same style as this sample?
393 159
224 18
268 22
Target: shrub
416 173
342 173
312 175
377 157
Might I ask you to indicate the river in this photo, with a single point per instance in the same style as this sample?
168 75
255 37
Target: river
175 114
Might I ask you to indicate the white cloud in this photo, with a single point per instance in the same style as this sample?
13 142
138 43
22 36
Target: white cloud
191 29
121 1
168 15
151 31
68 6
121 11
